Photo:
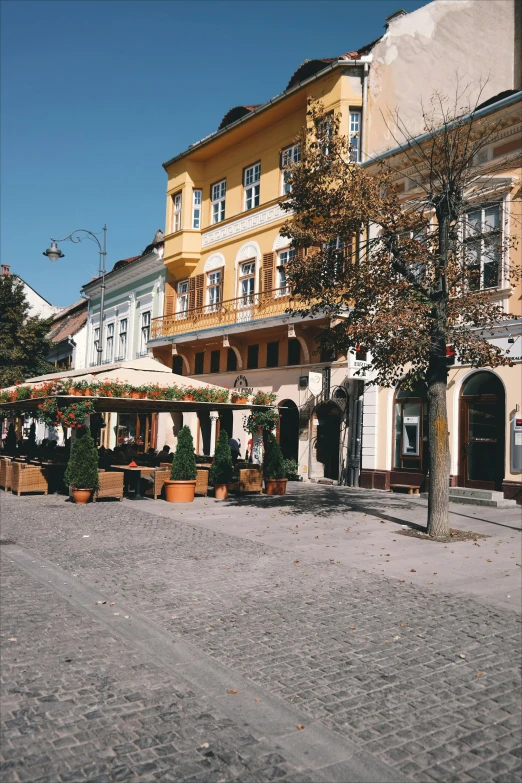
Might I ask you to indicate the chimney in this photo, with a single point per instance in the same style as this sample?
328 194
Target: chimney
6 270
392 17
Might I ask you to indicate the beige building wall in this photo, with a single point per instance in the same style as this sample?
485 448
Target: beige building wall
430 49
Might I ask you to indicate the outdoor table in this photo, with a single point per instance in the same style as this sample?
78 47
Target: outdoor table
137 470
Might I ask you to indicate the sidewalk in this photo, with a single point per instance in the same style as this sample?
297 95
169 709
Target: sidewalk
359 528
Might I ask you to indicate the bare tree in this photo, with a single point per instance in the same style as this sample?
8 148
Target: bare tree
401 275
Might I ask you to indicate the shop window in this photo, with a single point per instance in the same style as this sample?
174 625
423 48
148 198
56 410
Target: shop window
294 351
231 360
199 361
272 354
411 428
215 357
253 357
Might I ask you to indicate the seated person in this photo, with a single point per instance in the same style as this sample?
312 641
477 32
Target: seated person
164 455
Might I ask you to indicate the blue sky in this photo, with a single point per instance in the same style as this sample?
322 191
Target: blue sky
96 95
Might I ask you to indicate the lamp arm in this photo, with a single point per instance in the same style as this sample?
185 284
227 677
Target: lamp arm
72 236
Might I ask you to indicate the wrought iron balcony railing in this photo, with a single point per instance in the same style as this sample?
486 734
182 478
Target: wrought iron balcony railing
242 309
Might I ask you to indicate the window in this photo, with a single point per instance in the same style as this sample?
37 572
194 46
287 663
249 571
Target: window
288 156
199 361
483 247
272 354
251 180
122 339
215 357
217 196
196 208
247 281
214 289
109 343
183 299
294 351
145 331
252 357
355 136
325 133
95 345
177 212
177 364
283 257
231 360
411 412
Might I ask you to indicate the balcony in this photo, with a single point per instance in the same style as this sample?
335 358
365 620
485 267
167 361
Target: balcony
243 309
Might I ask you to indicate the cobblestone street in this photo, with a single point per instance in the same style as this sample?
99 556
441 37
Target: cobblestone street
144 641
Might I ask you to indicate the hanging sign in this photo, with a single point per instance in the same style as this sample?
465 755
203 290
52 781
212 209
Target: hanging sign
315 382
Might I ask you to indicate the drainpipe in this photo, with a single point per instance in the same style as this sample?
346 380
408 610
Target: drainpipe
364 111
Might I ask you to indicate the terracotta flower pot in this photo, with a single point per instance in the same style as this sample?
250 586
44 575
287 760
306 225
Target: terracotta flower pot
180 491
275 486
87 393
220 491
143 395
188 397
240 400
135 395
81 496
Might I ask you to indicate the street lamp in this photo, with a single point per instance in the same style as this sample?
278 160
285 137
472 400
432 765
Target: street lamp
53 253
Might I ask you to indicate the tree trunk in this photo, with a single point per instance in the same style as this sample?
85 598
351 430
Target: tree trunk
438 498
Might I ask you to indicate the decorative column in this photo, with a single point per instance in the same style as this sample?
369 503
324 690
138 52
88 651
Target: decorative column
214 416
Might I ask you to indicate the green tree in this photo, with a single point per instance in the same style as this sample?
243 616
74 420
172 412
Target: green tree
273 463
23 342
184 461
221 470
82 468
398 275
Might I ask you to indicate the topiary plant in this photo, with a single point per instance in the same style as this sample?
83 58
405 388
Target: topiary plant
82 468
221 470
184 461
273 463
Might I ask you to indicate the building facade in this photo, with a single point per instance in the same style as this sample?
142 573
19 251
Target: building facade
134 297
69 337
226 305
484 404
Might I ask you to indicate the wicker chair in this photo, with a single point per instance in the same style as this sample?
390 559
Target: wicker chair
5 473
251 480
202 482
111 485
160 476
28 478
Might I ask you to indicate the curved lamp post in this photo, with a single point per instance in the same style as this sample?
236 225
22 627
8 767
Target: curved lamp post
53 253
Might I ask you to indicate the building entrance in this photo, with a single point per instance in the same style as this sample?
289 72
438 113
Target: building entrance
482 432
288 429
328 417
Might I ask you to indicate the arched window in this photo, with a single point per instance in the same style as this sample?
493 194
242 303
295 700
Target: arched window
411 429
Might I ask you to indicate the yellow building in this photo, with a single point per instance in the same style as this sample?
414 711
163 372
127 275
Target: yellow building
226 302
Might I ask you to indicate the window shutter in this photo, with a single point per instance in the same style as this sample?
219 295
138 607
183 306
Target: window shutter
199 289
170 298
300 253
191 293
268 272
222 297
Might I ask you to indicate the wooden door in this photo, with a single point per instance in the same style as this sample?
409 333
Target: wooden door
482 442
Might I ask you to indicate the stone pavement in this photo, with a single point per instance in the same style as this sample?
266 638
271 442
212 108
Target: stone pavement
215 643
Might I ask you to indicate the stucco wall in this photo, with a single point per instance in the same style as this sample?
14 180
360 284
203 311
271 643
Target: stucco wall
424 51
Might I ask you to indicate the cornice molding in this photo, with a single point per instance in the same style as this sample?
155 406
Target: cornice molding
243 225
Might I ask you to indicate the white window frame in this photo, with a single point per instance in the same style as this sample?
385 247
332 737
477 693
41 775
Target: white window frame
246 272
123 333
252 185
146 317
283 257
218 197
197 201
176 222
182 304
95 343
109 342
289 156
355 136
480 237
214 284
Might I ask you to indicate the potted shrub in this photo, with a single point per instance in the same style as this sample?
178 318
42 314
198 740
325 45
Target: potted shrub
291 470
221 470
81 473
182 485
274 467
